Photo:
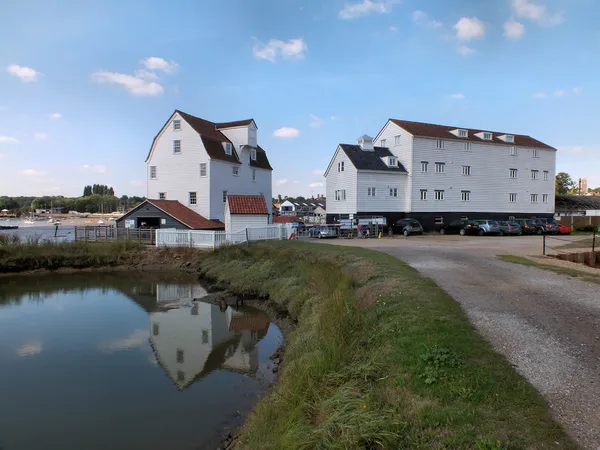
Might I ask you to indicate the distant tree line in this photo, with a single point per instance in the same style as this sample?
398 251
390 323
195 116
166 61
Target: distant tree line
98 189
565 185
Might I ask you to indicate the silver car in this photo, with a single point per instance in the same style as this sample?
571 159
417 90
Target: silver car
488 227
509 228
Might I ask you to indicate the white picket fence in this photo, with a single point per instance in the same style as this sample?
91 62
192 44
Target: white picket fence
214 239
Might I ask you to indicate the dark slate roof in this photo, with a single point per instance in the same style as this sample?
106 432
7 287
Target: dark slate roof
262 162
370 160
237 123
443 132
215 150
247 204
576 202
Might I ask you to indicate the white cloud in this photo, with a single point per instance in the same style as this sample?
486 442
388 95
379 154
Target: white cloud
55 116
366 7
26 74
468 28
32 173
576 90
286 132
156 63
96 168
135 85
539 95
315 121
458 96
292 49
535 12
559 93
8 140
40 136
146 74
319 172
316 185
465 50
513 29
138 338
30 349
421 18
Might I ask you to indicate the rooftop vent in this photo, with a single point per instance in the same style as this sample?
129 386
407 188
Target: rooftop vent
366 142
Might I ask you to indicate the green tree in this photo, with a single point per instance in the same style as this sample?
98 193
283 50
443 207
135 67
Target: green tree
563 183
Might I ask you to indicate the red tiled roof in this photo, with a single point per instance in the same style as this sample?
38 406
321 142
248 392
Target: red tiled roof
250 323
237 123
247 204
286 219
186 216
443 132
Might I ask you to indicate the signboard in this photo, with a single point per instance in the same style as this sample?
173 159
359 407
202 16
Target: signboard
129 223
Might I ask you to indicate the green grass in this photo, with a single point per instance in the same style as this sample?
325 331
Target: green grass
381 358
580 274
19 257
580 243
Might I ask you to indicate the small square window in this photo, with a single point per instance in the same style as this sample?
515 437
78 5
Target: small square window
465 196
371 192
228 148
382 143
438 195
466 170
193 199
440 167
487 136
439 143
397 140
393 192
177 146
512 198
162 196
545 175
535 153
177 125
253 154
423 195
535 174
153 172
514 173
463 133
424 166
545 198
253 174
393 162
203 170
235 170
534 198
510 138
224 196
467 146
513 151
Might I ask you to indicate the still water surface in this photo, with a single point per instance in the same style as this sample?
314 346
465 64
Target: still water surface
104 361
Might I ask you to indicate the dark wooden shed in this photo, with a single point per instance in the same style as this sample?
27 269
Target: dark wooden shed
166 214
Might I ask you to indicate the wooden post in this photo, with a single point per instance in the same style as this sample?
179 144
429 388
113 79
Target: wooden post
544 243
247 241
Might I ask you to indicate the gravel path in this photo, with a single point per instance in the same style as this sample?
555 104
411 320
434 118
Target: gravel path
547 325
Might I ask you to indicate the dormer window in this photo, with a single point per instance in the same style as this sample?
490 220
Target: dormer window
176 125
253 154
228 148
487 136
393 162
510 138
463 133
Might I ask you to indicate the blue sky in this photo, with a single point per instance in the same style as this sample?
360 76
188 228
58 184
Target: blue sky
85 85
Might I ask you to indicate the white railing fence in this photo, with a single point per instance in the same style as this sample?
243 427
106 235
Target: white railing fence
215 239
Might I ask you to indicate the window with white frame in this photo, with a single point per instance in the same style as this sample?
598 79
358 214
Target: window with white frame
440 167
467 146
253 154
235 171
393 192
514 173
438 195
224 196
439 143
203 170
423 195
162 195
153 172
193 198
424 166
534 198
535 153
371 192
253 174
545 175
465 196
438 220
535 174
513 151
487 136
463 133
382 143
545 198
512 197
510 138
177 125
397 140
228 148
393 162
343 195
337 196
466 170
177 146
340 195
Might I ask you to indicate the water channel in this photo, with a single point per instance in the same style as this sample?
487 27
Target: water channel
121 361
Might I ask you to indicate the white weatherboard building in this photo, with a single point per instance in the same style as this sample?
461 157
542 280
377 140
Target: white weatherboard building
437 173
199 163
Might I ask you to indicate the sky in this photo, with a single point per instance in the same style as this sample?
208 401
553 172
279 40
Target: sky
86 85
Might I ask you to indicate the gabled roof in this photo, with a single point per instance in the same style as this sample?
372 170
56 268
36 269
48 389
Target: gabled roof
443 132
576 203
181 214
247 204
370 160
237 123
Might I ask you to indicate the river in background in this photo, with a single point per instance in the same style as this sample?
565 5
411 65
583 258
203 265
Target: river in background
40 230
115 361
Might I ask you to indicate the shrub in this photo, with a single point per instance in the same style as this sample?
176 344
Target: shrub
590 228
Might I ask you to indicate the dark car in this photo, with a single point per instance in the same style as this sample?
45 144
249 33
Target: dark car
462 227
406 227
528 226
546 226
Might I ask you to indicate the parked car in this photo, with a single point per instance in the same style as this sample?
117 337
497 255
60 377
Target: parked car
528 226
510 228
488 227
462 227
546 226
322 232
564 229
406 227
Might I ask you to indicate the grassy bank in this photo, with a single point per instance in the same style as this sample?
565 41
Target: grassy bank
580 274
22 257
381 358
